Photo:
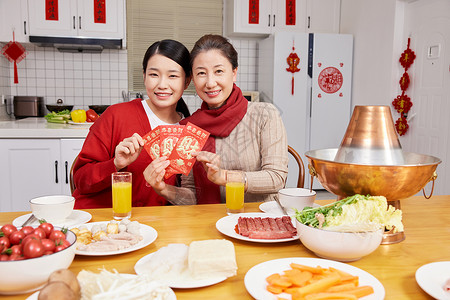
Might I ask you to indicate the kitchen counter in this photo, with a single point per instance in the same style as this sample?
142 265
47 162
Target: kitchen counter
40 128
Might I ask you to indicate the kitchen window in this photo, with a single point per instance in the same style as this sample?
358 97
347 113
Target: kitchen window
153 20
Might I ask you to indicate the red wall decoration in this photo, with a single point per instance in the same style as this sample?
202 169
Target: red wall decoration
253 11
402 103
99 11
293 60
290 12
51 10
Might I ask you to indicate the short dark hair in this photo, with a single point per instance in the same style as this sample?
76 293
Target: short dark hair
218 42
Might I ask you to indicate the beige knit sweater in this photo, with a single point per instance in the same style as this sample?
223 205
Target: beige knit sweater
258 146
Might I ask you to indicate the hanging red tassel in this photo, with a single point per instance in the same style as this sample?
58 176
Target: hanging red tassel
293 60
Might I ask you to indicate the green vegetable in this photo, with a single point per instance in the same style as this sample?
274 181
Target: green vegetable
357 211
61 117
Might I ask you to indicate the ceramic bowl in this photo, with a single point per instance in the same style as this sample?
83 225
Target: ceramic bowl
53 209
296 198
24 276
340 246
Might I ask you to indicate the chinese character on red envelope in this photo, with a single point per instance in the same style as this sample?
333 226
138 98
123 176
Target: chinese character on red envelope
151 142
192 139
169 138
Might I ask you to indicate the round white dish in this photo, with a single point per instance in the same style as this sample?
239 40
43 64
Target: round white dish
255 278
172 295
227 224
432 277
271 207
77 217
85 124
177 283
149 235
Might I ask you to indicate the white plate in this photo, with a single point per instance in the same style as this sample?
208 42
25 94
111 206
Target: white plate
177 283
149 235
272 207
172 295
85 124
77 217
227 224
432 277
255 279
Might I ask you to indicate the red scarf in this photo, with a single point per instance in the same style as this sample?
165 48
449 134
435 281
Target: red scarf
218 122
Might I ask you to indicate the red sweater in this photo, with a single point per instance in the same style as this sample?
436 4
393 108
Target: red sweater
95 163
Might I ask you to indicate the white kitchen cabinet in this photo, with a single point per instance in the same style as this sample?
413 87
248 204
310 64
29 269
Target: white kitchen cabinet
14 17
323 16
33 168
76 19
310 16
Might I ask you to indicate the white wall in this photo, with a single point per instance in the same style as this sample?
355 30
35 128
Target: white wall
372 24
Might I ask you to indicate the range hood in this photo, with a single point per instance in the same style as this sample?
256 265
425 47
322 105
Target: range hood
76 44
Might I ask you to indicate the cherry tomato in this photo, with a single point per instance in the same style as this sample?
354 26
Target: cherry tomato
48 245
33 248
57 234
4 243
47 227
4 257
27 230
60 248
16 237
16 256
29 238
40 232
16 249
8 229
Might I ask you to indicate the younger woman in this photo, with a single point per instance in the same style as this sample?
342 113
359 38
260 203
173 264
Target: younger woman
115 140
249 137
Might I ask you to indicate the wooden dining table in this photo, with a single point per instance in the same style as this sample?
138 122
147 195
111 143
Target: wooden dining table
427 230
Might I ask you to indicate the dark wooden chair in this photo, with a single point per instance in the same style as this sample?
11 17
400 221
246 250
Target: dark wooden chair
301 167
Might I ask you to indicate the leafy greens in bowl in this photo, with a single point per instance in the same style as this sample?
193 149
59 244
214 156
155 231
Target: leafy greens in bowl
348 229
357 213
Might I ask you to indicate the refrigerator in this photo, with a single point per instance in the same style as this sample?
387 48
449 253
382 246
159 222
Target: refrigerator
308 77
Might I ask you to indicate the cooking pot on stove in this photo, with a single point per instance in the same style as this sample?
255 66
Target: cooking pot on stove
59 106
28 106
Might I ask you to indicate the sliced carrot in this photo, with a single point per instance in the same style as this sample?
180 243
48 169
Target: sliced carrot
272 277
274 289
319 286
301 279
314 270
361 291
330 296
292 272
342 287
283 282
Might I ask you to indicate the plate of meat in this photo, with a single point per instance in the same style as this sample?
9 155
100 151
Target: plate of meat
258 227
92 242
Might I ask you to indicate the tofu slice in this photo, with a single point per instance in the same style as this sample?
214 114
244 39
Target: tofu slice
212 258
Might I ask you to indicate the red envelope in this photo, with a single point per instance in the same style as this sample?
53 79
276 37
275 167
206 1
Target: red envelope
192 139
151 142
169 138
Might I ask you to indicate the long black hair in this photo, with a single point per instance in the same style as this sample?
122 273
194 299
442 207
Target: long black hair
177 52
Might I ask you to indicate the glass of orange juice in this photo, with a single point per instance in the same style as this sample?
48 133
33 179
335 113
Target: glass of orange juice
121 195
235 192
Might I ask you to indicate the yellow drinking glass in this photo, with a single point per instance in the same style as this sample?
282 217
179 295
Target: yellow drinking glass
235 192
121 195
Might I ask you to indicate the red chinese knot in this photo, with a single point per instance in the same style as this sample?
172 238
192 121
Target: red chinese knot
402 103
293 60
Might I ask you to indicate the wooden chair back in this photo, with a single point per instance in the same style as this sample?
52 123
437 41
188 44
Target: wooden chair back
301 167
